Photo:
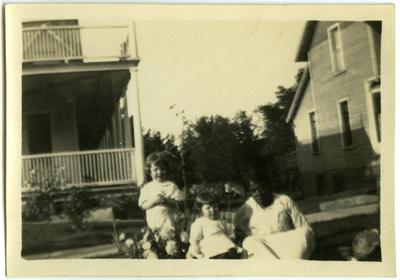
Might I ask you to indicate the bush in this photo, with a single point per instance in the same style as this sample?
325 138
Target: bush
47 185
77 204
38 206
125 206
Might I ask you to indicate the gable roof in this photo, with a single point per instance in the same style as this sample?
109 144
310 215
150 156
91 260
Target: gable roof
301 87
301 56
305 41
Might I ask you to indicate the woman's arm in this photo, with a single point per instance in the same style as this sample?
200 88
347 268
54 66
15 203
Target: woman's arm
297 217
241 220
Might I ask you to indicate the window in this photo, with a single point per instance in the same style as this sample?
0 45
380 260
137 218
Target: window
336 49
313 130
345 127
376 101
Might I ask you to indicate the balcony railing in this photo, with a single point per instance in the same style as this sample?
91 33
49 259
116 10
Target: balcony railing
82 43
88 168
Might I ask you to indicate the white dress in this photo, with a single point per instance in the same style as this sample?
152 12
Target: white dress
211 235
278 231
160 217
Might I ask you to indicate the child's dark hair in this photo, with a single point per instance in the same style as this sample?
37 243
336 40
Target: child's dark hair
157 158
204 198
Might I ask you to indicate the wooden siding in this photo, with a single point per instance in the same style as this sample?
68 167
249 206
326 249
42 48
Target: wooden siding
307 161
320 32
330 88
327 89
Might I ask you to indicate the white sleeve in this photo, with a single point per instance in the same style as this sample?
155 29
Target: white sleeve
196 232
298 218
145 195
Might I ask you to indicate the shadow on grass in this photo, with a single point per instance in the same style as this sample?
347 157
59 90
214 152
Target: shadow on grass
49 237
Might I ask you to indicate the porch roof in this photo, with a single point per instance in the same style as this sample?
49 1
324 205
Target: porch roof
77 67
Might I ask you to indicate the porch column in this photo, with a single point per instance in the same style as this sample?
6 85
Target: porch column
133 100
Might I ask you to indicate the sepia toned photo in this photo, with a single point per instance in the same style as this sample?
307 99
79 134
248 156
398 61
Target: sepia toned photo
180 140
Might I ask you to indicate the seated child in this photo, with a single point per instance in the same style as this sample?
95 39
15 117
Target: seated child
208 234
160 197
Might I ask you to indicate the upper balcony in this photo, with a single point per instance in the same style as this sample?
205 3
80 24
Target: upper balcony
61 43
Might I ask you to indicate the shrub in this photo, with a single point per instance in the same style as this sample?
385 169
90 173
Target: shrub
38 206
40 203
125 207
77 204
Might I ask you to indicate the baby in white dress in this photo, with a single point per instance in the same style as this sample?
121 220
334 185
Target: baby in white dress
209 235
160 197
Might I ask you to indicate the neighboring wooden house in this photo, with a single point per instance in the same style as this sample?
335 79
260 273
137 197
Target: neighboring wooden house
79 90
336 111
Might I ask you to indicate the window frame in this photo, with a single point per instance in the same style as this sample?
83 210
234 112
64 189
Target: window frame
334 62
311 131
378 132
341 123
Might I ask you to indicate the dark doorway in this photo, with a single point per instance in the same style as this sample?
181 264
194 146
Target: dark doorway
39 134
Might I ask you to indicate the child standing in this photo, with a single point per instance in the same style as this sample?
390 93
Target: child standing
160 197
208 234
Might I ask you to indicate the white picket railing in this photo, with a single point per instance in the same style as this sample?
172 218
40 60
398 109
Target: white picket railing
65 43
86 168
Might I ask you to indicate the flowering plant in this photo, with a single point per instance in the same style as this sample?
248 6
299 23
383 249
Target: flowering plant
148 244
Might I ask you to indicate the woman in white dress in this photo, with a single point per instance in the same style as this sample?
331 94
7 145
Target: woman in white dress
273 225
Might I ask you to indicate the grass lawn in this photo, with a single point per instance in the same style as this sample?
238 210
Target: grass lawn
334 234
48 237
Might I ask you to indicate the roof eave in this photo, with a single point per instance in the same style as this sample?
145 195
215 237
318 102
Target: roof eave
298 95
305 41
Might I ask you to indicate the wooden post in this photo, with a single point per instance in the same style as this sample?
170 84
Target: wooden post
132 45
132 95
133 103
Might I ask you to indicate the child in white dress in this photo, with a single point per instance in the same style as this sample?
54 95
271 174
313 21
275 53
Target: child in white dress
208 234
160 197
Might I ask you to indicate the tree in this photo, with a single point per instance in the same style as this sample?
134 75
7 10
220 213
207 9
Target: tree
248 146
154 142
278 136
220 149
209 147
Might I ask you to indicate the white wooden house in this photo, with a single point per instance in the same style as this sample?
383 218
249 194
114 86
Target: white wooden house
80 105
336 110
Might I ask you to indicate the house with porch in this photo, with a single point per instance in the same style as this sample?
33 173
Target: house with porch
336 111
80 105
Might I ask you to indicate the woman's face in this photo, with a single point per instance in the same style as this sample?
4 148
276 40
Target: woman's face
157 172
262 195
209 211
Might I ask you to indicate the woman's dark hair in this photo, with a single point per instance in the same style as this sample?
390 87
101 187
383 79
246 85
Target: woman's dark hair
158 159
204 198
259 177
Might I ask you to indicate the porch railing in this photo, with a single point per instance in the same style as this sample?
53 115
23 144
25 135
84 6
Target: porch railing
86 168
65 43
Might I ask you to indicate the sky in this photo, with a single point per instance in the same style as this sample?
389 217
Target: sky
211 67
203 67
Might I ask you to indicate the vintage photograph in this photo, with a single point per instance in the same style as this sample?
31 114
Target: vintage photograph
195 140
